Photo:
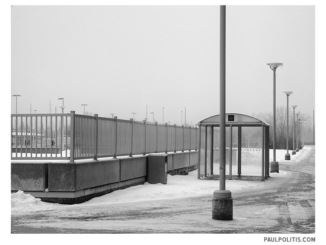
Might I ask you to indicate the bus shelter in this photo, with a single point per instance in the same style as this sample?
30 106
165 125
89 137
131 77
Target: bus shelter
209 139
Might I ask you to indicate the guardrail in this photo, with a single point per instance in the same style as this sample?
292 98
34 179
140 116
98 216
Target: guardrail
72 136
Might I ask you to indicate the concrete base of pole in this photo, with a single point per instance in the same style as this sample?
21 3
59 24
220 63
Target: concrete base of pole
274 167
222 205
287 156
293 152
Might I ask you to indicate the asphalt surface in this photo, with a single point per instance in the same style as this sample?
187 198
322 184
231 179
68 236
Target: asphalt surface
286 206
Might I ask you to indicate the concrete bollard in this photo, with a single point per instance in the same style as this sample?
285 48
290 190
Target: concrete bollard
222 204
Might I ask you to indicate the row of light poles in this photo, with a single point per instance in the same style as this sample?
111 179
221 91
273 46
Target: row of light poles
62 107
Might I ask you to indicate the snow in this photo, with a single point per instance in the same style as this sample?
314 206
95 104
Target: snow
25 203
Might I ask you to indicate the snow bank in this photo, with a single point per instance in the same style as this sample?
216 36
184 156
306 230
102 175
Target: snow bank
24 203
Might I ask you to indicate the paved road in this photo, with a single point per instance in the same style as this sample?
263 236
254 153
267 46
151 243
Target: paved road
284 206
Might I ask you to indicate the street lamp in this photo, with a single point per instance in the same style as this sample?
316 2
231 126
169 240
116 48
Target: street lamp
84 107
298 135
274 163
293 151
153 115
63 104
134 115
222 202
16 95
287 155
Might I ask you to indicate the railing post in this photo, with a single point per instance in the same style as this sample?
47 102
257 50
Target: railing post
183 138
96 136
156 136
72 136
167 133
145 137
115 137
175 138
190 138
132 135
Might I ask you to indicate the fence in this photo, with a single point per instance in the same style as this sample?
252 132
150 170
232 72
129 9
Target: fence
72 136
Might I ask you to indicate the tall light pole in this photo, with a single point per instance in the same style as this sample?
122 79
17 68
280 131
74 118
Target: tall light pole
63 104
298 132
134 113
84 107
274 163
16 95
153 115
163 116
313 126
222 202
293 151
287 155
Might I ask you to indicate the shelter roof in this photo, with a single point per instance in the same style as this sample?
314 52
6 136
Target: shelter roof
234 119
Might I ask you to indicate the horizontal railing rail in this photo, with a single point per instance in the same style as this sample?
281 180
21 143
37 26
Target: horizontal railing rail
73 136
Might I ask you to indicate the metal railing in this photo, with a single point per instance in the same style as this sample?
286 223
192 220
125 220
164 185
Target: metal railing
40 136
72 136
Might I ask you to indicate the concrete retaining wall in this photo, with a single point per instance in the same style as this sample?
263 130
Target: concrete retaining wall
65 180
29 176
132 168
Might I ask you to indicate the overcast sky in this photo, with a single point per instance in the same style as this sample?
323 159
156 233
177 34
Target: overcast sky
118 59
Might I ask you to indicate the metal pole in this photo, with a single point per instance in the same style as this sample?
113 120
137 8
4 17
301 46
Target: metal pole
72 136
239 150
222 94
297 138
230 167
222 203
293 146
300 133
262 153
96 136
287 155
313 126
274 114
287 124
198 173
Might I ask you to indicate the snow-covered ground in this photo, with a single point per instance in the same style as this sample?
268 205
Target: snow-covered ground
177 186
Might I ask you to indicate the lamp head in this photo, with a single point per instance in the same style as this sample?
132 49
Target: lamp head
288 93
274 66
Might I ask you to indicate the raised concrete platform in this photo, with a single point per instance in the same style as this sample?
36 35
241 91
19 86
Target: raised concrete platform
65 182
